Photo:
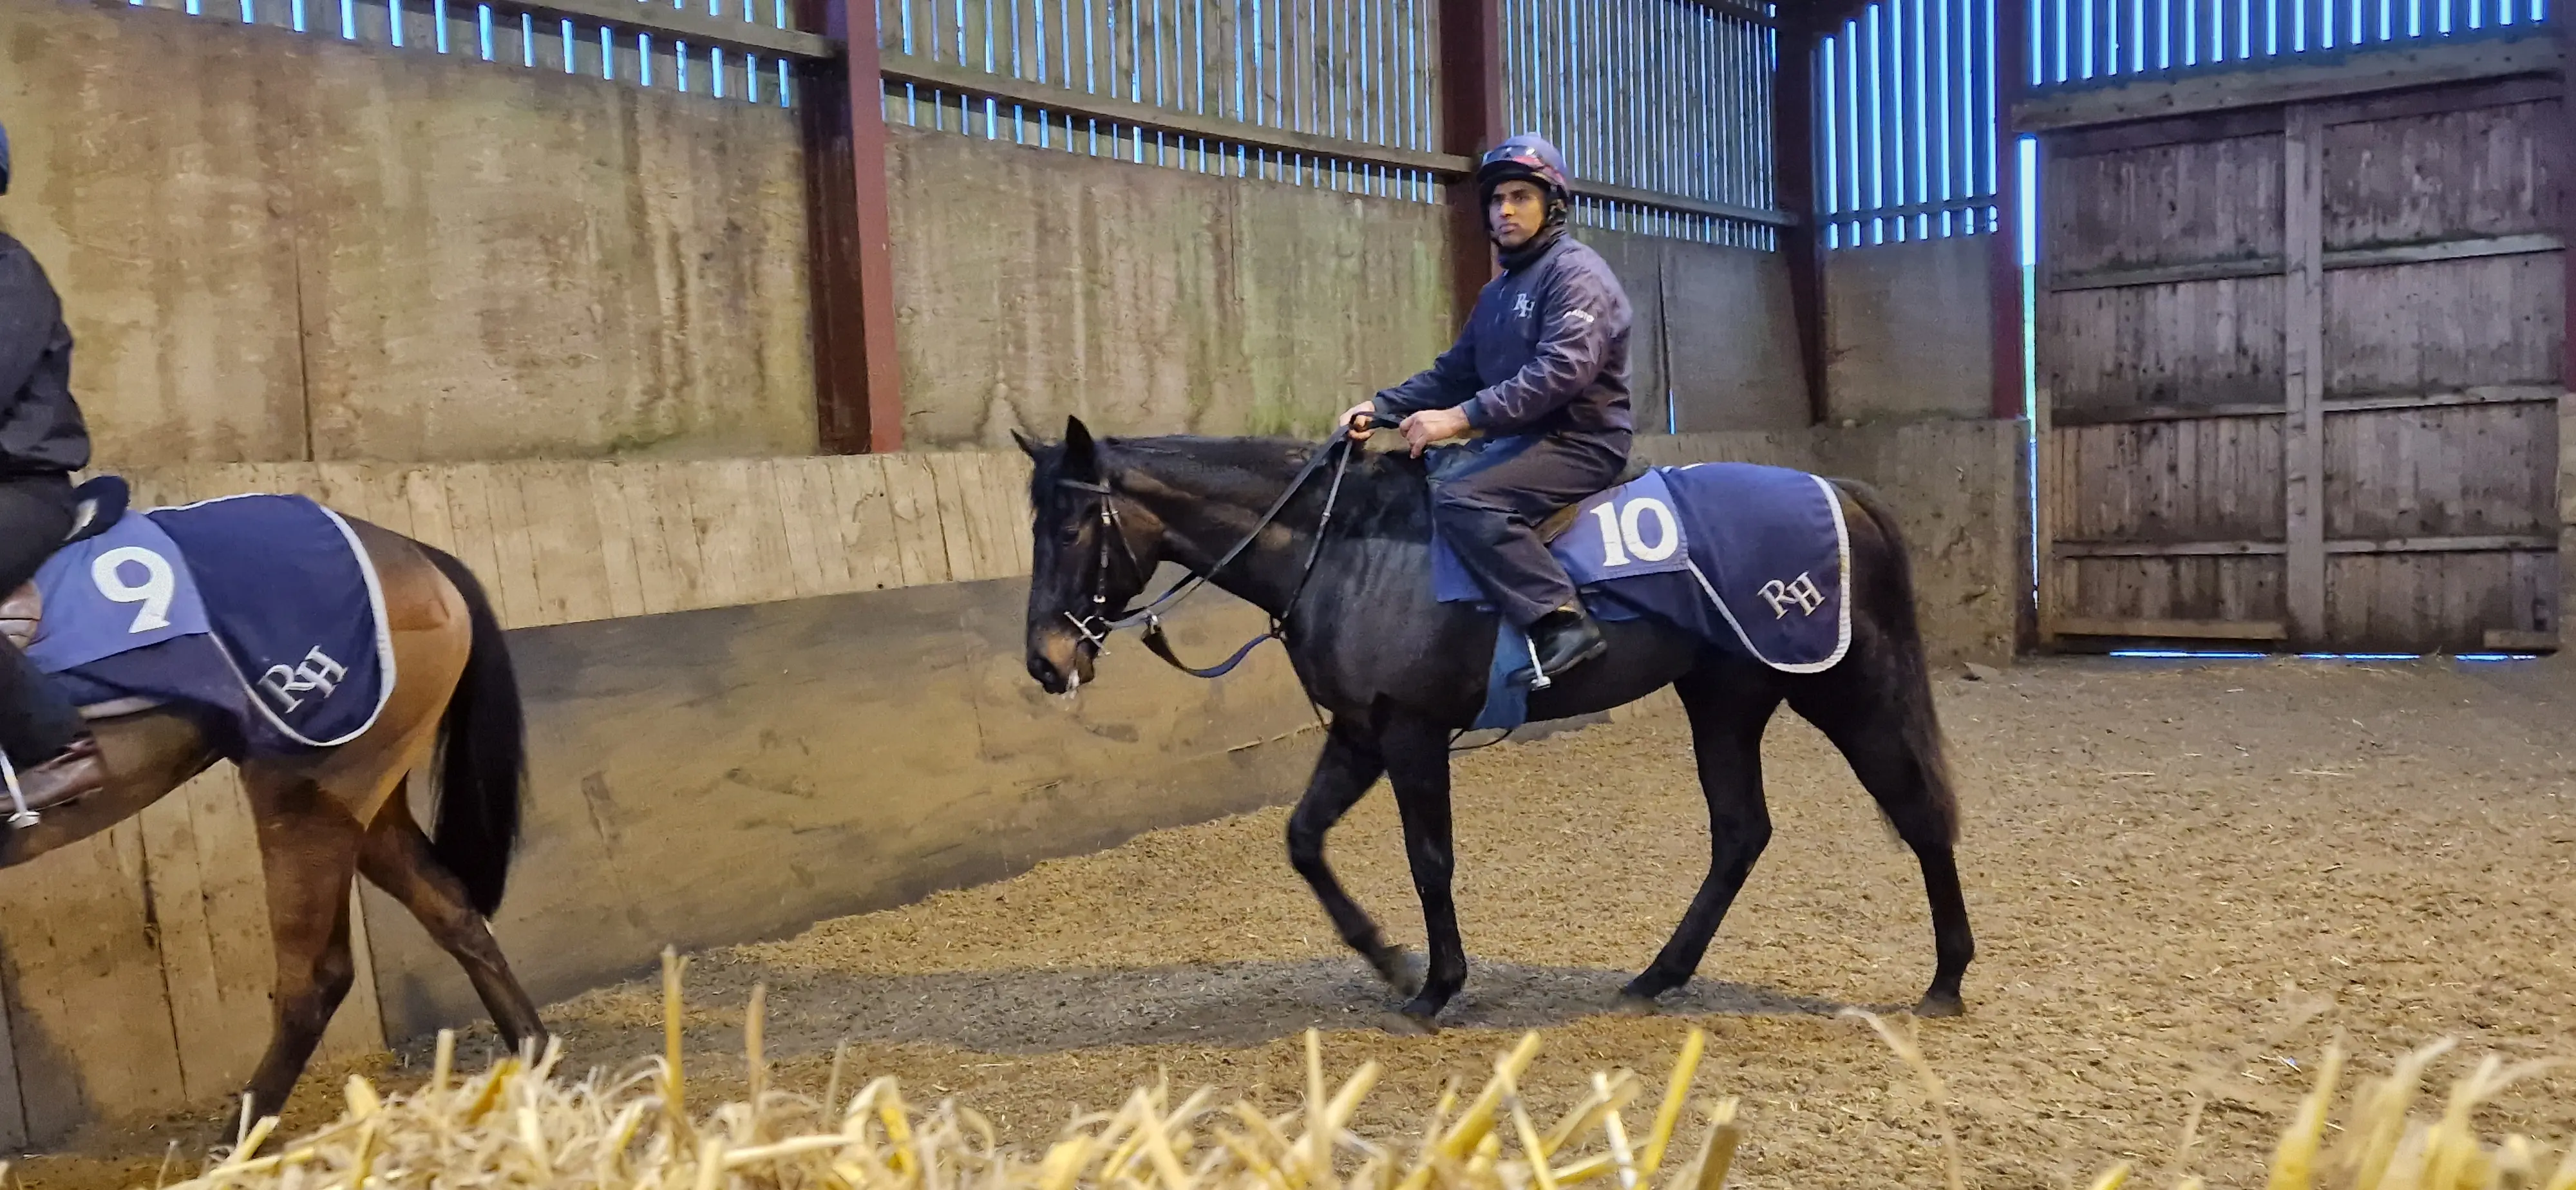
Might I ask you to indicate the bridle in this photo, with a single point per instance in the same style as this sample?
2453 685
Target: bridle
1096 626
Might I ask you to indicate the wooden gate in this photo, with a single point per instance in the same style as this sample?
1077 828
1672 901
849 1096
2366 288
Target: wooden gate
2299 369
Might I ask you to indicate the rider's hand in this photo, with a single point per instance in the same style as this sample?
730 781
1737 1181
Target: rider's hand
1432 425
1359 429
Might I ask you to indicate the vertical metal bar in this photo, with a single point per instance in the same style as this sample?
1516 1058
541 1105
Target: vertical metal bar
858 381
1620 75
1893 102
1766 148
1738 114
1709 46
1848 43
1619 88
1704 74
1953 80
1700 154
1657 104
1918 124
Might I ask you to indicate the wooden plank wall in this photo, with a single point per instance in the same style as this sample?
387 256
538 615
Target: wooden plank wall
2133 376
2482 472
2302 367
566 542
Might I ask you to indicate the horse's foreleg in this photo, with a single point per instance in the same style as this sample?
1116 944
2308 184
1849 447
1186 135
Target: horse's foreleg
396 856
309 849
1417 763
1344 772
1727 716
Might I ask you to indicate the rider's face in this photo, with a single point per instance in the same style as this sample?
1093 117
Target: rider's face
1515 213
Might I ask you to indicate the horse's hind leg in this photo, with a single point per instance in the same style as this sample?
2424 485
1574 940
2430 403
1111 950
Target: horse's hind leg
308 845
397 857
1349 765
1892 749
1728 710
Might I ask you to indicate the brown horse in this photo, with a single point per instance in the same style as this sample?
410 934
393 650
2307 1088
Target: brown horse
323 817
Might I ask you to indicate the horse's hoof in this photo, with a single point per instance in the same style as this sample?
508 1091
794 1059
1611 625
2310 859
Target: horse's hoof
1941 1004
1423 1013
1632 1004
1398 968
1405 1024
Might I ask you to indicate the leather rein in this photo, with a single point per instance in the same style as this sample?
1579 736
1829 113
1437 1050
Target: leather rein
1098 624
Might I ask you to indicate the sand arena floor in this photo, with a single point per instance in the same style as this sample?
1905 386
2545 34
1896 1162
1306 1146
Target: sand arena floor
2164 862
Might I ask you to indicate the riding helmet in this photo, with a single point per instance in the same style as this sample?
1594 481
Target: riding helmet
1526 157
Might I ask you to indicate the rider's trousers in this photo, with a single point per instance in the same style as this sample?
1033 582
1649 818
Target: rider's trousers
1489 515
36 720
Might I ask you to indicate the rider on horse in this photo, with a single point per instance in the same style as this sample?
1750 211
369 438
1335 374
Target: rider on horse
42 441
1542 371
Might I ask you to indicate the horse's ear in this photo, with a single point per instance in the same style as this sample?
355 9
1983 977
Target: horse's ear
1028 446
1078 457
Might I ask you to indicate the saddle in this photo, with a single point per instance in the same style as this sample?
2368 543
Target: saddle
97 506
1548 530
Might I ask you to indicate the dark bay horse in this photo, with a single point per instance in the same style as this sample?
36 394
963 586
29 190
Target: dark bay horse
323 817
1402 673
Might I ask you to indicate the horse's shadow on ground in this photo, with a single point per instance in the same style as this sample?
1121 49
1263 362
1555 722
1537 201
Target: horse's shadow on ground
1222 1005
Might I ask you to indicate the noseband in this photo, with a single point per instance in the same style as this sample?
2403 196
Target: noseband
1098 624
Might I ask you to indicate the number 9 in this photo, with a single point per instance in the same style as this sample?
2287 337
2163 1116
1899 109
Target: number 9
160 584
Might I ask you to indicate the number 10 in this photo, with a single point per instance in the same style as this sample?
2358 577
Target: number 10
1621 528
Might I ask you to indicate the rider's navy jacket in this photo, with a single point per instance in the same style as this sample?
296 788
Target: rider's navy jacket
41 430
1546 351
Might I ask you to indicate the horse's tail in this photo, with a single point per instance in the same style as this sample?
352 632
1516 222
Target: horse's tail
1890 590
483 753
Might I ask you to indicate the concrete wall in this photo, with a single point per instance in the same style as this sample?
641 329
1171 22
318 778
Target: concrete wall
1960 496
1908 334
1960 501
276 246
1714 341
1035 282
296 248
739 773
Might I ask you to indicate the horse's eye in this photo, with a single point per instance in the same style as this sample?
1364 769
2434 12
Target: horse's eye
1069 534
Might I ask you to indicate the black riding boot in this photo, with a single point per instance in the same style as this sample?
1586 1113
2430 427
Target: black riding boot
55 755
1565 638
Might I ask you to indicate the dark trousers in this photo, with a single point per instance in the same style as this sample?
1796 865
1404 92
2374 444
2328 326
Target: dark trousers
1489 515
36 721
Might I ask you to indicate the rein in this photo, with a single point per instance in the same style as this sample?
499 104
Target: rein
1097 626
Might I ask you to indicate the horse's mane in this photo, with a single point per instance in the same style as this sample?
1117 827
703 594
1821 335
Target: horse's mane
1383 493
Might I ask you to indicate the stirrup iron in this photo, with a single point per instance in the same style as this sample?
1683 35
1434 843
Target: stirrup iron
24 817
1538 677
